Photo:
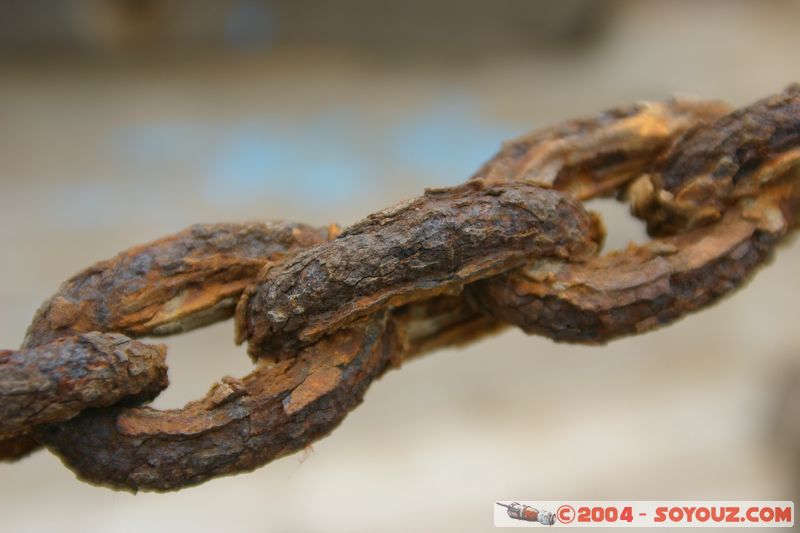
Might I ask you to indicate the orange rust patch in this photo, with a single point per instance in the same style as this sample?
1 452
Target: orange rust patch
63 312
146 421
315 385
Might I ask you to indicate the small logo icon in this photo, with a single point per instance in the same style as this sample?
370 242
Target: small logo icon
565 514
527 513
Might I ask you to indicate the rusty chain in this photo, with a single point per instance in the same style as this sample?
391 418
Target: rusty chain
325 312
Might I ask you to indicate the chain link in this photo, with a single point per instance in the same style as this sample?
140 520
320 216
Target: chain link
326 312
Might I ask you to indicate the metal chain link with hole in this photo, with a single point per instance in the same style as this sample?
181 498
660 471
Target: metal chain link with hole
325 312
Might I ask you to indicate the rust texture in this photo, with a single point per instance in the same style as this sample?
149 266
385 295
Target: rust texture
633 291
714 165
440 322
591 157
56 381
429 246
742 214
327 313
174 284
241 424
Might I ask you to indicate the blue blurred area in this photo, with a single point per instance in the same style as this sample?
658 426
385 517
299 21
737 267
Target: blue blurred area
329 157
447 141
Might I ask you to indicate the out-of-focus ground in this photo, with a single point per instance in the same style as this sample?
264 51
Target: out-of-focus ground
105 143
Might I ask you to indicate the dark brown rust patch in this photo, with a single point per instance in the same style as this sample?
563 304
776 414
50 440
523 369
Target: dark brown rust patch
716 164
56 381
429 246
588 304
278 409
19 446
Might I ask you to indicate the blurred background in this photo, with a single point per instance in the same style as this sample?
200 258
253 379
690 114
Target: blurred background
122 121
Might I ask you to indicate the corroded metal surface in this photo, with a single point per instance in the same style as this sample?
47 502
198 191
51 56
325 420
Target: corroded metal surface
56 381
174 284
715 165
731 186
241 424
326 313
429 246
595 156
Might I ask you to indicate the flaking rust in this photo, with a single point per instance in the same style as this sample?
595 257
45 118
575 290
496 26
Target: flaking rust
278 409
175 284
631 291
714 165
730 190
595 156
325 316
430 246
56 381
